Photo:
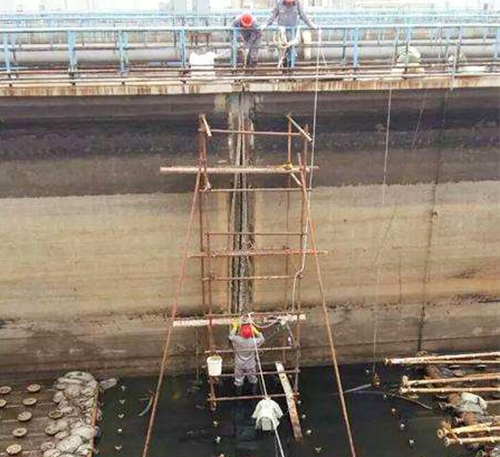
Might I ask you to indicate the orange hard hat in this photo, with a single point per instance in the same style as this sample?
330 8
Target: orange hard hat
246 331
289 1
246 20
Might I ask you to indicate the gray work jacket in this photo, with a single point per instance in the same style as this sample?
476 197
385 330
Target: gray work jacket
244 350
288 14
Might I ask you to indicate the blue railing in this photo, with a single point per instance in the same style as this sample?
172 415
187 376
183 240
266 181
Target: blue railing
342 44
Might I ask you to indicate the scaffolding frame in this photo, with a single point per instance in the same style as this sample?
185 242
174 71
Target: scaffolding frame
295 173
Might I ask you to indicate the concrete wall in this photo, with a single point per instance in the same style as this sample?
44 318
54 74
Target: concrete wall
91 240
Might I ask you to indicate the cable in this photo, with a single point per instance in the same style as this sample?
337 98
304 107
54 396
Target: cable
309 229
173 314
311 175
264 388
382 206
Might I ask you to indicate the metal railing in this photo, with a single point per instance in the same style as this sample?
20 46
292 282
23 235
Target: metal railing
120 49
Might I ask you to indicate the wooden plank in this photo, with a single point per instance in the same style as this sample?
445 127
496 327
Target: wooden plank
255 252
203 321
290 400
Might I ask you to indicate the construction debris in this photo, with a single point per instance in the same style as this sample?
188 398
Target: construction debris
453 380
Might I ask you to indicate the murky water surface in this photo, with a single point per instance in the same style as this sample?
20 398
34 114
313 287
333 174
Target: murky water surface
185 426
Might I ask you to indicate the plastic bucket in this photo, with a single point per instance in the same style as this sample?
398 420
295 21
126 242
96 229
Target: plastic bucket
214 365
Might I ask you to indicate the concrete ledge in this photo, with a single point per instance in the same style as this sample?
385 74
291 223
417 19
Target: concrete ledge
326 83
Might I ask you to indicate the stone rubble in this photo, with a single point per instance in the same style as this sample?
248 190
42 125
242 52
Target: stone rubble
73 434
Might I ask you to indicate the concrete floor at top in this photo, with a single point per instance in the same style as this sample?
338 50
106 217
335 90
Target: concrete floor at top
91 234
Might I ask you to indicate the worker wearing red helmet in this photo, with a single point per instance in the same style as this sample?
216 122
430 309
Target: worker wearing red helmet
249 34
245 338
287 13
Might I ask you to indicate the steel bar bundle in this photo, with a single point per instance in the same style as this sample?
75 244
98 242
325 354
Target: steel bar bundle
484 358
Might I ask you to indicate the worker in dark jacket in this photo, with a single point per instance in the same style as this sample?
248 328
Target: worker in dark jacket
287 13
249 34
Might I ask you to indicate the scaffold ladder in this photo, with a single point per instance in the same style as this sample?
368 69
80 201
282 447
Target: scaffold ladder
292 174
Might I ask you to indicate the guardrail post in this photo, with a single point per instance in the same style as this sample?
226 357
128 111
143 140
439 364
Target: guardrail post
497 46
234 47
122 49
408 32
355 47
182 45
447 34
6 51
72 51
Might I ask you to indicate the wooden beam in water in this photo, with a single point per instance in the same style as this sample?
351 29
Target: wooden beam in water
290 400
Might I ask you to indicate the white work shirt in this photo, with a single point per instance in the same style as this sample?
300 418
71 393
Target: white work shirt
267 415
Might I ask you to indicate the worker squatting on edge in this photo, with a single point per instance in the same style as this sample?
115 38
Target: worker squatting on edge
244 339
286 13
249 37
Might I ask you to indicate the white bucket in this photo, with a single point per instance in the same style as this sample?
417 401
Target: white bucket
214 365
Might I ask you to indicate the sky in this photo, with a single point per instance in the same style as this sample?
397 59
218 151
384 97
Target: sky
106 5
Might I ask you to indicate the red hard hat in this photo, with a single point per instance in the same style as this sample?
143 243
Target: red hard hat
246 20
246 331
289 1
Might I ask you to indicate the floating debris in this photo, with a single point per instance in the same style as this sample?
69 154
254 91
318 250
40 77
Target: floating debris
19 432
5 390
30 401
14 449
47 446
55 414
108 383
34 388
25 416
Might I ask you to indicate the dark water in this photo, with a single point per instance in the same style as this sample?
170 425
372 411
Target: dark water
185 427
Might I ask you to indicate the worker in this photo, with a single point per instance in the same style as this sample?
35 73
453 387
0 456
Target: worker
249 38
245 338
287 14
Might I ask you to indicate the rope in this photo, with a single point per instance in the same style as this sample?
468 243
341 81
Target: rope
382 206
309 232
170 325
264 388
311 175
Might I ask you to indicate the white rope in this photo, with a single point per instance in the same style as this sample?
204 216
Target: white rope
311 175
263 382
382 206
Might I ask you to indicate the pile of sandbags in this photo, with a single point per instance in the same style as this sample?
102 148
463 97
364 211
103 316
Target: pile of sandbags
72 431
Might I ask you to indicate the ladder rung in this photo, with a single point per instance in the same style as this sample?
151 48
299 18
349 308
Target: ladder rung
232 170
255 252
247 397
231 375
256 233
246 278
266 349
258 314
253 132
256 189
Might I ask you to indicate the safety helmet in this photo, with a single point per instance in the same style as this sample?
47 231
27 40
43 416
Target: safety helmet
246 331
289 1
246 20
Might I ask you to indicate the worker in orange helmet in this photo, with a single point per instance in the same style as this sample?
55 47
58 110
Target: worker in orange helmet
245 339
248 32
